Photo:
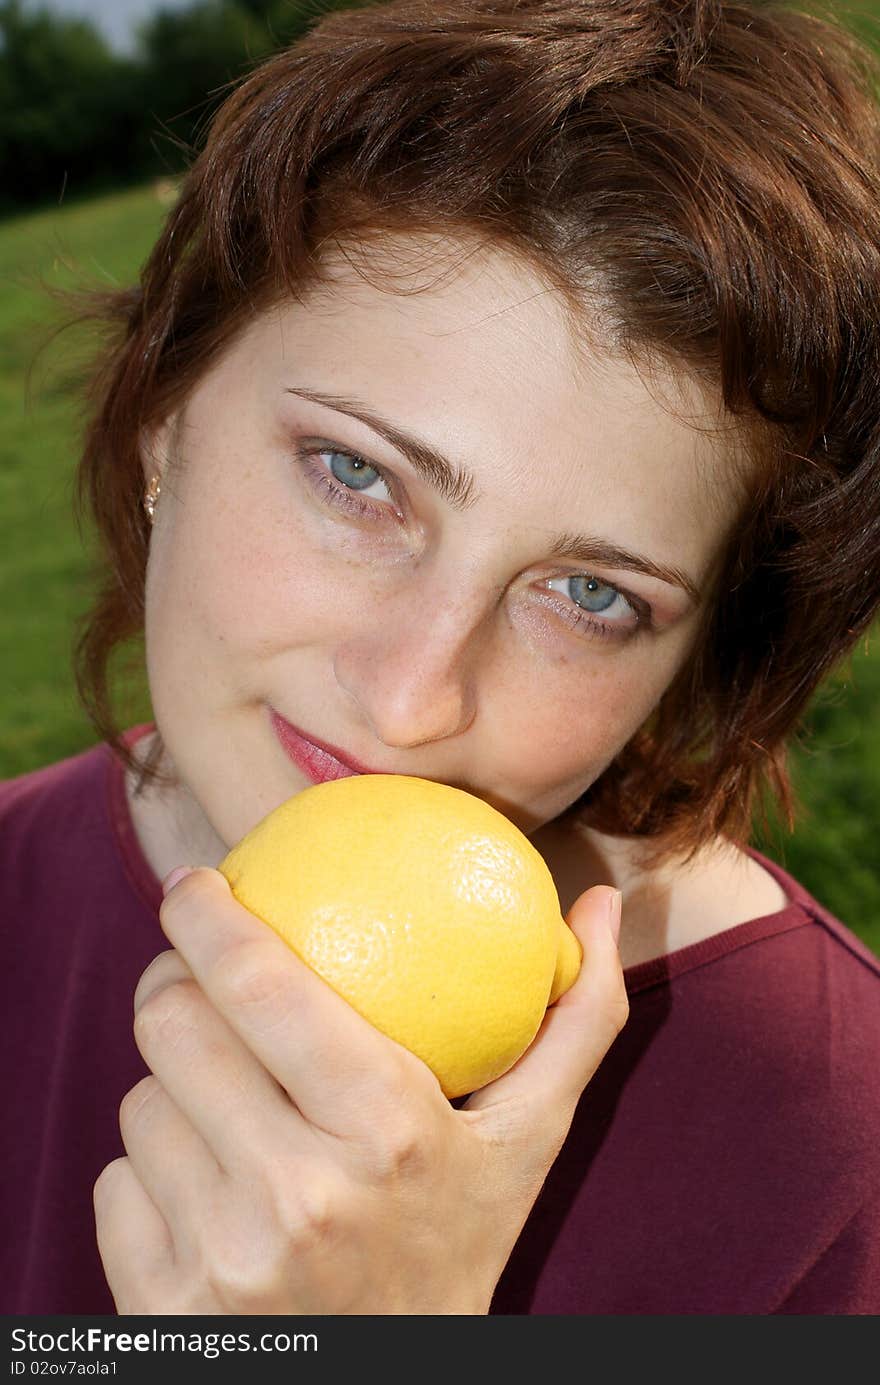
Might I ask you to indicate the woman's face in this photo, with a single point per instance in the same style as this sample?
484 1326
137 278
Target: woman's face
432 531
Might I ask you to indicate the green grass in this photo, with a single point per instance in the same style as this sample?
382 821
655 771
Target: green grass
43 562
44 565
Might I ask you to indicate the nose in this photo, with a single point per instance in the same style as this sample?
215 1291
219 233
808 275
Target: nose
415 680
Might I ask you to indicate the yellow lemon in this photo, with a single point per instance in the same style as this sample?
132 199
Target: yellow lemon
427 909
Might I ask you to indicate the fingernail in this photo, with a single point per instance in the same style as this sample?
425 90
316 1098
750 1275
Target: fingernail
614 903
171 880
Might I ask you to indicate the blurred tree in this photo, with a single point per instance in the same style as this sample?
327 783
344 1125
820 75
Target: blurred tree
75 116
187 59
65 105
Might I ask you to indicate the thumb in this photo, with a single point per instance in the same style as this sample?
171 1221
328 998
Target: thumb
578 1030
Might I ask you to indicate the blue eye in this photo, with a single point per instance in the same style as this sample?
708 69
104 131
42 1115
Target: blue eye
352 471
340 477
591 594
597 608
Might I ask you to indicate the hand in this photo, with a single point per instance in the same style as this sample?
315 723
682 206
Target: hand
284 1156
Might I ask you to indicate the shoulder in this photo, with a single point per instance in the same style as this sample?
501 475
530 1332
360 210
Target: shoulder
52 828
52 797
788 1007
782 1010
63 825
797 970
834 948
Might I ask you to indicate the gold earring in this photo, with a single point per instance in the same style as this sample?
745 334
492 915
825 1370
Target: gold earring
151 497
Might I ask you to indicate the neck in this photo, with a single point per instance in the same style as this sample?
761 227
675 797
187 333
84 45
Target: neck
670 906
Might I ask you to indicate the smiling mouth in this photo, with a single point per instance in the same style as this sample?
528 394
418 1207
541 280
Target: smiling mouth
319 760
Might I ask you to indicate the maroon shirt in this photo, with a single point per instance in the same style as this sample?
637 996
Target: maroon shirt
725 1158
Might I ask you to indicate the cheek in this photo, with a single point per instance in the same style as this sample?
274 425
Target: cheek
223 588
569 720
206 581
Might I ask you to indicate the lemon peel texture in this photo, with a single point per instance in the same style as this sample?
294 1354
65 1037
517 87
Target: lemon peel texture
424 907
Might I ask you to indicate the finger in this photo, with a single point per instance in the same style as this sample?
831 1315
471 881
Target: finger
579 1029
172 1162
134 1241
164 969
208 1095
335 1066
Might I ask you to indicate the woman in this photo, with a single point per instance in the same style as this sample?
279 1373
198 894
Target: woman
498 406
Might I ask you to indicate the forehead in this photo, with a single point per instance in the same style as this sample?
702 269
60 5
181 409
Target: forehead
469 347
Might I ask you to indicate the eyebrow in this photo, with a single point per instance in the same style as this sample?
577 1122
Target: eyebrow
456 485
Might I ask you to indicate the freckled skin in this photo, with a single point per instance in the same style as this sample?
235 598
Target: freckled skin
420 644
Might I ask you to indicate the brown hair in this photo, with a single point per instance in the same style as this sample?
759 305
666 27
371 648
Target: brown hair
708 172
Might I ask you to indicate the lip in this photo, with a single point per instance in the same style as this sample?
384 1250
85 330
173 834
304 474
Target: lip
319 760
